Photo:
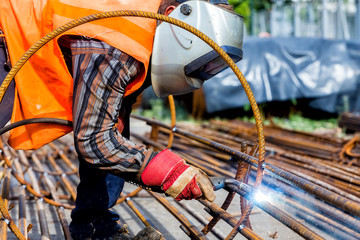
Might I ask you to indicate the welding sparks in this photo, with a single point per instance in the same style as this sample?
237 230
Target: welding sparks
261 197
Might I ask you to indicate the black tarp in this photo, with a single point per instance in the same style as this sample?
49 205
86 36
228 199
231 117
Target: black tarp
279 69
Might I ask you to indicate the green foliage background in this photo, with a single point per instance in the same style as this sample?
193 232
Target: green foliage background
244 8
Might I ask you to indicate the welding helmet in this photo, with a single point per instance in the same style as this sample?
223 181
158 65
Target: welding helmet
181 61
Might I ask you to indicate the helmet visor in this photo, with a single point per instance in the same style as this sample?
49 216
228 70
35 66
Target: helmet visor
210 64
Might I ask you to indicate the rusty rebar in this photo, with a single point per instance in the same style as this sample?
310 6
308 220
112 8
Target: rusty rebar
4 197
240 174
246 191
318 179
328 196
22 205
129 195
160 145
40 208
6 220
283 217
29 187
193 231
138 212
68 184
54 194
309 200
201 219
227 217
217 163
333 227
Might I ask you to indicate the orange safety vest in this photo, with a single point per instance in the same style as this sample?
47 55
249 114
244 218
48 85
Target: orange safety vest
44 87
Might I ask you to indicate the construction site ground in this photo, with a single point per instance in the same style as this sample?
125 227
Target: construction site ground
262 223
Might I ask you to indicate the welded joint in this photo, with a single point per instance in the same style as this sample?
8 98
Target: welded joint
7 221
241 227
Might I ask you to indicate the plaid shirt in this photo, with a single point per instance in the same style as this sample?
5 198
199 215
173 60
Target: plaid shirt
101 74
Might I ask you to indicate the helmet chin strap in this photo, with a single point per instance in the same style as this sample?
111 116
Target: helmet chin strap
210 1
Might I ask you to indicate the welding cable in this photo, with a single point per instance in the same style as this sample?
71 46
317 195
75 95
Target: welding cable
128 13
34 120
39 120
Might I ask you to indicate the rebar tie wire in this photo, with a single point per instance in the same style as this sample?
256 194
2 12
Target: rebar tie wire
130 13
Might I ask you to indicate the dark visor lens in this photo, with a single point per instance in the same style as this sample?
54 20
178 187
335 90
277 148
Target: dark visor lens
211 63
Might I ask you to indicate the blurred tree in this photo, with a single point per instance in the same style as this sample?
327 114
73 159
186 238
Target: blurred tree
244 8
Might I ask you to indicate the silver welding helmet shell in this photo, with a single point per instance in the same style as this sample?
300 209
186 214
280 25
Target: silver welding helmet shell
181 61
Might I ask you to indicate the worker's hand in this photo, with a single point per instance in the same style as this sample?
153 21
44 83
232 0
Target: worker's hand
177 179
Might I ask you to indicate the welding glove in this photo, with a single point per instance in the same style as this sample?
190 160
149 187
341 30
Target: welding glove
178 179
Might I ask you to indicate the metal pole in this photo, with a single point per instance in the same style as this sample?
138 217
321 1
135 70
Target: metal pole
342 21
311 20
297 24
324 19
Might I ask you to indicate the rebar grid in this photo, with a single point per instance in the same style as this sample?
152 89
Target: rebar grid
299 209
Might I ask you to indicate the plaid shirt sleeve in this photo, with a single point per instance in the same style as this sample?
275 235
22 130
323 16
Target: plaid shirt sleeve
101 74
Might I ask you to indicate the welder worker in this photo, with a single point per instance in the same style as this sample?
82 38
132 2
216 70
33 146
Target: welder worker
92 75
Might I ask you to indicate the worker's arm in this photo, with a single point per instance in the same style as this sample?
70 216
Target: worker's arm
101 74
100 84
